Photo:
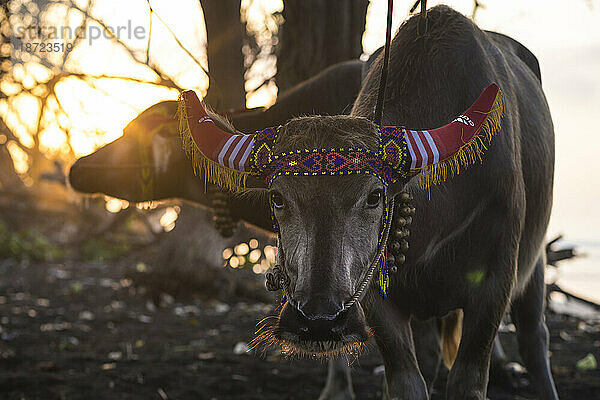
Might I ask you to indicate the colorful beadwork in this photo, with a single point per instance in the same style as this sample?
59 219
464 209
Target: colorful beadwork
262 150
384 276
327 162
389 163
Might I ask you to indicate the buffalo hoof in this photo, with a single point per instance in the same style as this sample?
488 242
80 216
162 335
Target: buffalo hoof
511 376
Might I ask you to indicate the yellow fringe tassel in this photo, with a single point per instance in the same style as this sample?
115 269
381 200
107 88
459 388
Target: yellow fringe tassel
212 171
469 153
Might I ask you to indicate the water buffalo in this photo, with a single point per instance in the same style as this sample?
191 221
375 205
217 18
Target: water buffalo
477 239
148 163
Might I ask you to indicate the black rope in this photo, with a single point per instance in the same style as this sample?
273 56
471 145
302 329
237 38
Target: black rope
422 28
414 6
384 69
366 280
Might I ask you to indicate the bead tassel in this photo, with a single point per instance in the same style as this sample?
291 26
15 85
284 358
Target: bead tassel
384 277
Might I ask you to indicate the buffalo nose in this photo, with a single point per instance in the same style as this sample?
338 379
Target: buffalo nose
320 319
320 308
77 177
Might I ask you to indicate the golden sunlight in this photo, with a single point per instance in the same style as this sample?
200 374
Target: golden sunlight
20 158
167 220
114 205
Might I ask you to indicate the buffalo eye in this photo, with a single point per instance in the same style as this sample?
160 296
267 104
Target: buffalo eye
277 200
374 198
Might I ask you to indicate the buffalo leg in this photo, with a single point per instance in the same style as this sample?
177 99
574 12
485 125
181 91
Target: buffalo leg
532 334
339 383
393 334
427 348
504 373
468 377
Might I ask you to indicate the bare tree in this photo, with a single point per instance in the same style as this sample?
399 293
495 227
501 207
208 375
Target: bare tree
9 180
226 63
317 34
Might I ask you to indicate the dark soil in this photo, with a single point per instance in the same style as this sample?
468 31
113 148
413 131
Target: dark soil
81 331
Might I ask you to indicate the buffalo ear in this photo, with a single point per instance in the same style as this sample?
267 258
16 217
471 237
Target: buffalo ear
397 187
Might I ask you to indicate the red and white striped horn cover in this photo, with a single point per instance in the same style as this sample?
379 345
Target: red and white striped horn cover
429 147
226 149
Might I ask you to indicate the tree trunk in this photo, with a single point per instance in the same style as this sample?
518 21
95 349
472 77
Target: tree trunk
317 34
9 180
225 59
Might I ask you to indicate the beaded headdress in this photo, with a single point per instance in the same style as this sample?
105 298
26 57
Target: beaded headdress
226 159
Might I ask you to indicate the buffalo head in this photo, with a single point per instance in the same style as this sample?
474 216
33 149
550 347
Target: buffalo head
329 232
146 163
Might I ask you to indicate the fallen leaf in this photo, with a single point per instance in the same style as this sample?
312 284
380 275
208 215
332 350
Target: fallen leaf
206 356
109 366
587 363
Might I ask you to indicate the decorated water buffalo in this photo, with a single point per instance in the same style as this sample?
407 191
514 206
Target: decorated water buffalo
477 233
477 241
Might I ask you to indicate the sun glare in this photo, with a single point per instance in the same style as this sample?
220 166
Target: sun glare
87 102
101 87
53 139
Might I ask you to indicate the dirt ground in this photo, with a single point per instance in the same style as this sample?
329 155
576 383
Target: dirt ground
85 331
